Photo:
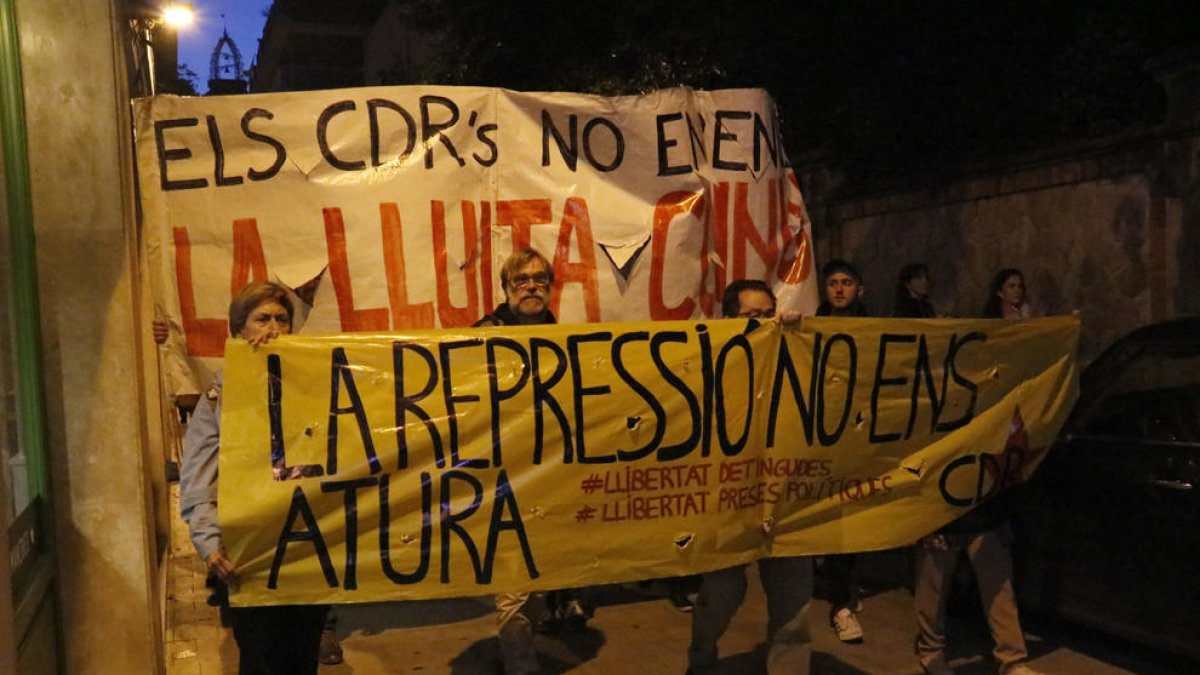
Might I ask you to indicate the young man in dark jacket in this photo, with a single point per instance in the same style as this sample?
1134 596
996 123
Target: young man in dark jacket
843 297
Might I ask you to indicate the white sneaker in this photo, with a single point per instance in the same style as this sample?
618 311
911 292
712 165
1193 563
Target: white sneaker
845 624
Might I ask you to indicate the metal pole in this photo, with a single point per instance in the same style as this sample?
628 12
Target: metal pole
148 42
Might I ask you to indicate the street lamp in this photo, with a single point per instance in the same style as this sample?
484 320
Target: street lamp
173 15
178 14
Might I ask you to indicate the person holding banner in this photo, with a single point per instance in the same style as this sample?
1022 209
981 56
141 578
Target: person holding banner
843 290
985 535
843 297
271 640
527 279
787 581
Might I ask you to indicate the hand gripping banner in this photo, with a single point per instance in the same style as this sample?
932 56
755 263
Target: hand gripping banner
447 463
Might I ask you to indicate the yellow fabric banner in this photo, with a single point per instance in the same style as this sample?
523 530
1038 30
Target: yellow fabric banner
447 463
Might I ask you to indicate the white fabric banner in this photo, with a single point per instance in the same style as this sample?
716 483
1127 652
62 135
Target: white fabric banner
393 208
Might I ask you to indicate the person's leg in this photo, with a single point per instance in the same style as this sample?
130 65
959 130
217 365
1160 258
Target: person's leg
683 591
788 584
331 650
992 562
274 640
253 637
843 597
935 564
721 593
516 633
836 570
299 630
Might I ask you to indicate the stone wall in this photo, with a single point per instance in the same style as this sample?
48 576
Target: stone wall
1111 229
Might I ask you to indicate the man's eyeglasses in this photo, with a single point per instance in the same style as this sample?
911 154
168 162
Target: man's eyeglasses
757 314
522 280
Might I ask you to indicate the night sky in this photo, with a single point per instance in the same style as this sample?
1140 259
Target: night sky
243 18
890 88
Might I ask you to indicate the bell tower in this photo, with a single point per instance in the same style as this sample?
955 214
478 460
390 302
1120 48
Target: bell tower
225 72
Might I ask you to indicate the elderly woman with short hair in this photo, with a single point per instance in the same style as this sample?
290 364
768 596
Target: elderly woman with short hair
271 640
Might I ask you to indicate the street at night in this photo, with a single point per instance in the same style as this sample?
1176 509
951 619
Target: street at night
626 337
636 630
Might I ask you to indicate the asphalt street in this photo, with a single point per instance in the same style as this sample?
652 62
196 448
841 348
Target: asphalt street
636 630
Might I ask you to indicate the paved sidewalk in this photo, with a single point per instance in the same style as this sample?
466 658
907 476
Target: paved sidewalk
195 641
635 630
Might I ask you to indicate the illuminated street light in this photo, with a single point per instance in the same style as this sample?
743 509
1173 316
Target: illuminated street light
156 32
178 14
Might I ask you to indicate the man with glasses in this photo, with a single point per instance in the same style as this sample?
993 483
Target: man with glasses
787 581
748 299
528 280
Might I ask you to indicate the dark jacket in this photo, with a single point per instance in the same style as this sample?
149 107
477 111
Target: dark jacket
913 308
504 316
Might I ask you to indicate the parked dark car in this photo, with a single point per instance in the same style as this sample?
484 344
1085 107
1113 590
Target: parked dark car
1108 529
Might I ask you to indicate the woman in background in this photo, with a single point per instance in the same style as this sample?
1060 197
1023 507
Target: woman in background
1006 296
985 535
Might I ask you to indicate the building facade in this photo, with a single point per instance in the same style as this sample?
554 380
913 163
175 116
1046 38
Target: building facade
84 508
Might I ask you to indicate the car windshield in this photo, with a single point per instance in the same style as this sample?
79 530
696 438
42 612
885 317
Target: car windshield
1155 396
